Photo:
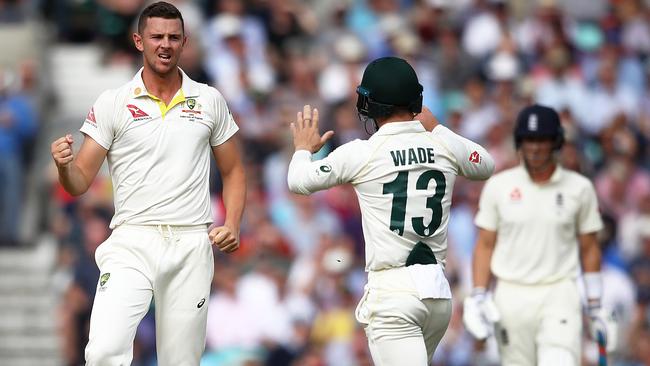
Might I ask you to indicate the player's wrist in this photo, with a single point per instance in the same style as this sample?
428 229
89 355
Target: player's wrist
63 167
478 293
303 147
593 282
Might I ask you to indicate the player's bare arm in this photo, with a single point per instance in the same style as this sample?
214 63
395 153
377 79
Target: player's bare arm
590 257
590 254
229 162
77 173
305 131
483 250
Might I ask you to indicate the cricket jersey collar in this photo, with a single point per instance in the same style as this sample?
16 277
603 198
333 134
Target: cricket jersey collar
557 175
394 128
189 87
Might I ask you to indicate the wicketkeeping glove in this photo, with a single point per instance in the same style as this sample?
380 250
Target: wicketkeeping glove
479 314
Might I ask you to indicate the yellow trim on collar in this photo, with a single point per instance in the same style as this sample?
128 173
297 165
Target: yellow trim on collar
178 98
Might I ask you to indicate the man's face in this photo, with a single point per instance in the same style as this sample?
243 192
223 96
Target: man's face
537 152
161 43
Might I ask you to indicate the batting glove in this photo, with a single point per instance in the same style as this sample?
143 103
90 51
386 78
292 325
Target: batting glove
604 323
480 313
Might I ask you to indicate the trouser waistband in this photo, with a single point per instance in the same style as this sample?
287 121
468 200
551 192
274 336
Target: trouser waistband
166 228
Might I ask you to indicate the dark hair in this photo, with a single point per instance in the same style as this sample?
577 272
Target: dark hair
160 9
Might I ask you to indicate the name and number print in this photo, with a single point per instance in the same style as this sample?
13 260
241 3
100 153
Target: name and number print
398 188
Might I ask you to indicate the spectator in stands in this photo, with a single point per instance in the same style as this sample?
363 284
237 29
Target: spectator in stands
286 53
18 123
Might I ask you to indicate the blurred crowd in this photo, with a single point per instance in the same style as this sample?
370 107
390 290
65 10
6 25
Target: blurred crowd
287 297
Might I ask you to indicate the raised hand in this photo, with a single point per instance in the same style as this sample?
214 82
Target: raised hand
305 131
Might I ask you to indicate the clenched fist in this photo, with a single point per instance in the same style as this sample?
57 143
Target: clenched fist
224 238
62 151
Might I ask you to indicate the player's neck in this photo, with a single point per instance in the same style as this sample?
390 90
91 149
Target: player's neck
399 117
542 174
163 86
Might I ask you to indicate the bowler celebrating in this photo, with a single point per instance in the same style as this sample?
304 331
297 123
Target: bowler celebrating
157 132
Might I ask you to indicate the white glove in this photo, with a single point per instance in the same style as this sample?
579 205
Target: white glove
479 314
603 322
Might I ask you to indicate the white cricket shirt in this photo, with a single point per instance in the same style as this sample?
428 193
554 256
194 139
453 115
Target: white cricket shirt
537 224
403 176
159 155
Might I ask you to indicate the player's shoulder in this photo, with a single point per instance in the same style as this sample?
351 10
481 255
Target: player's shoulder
355 152
110 98
208 91
123 90
576 179
356 146
508 175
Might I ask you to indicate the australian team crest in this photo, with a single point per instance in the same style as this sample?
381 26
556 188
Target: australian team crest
103 279
191 103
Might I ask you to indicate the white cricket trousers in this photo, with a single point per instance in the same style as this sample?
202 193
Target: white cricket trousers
171 264
401 329
537 321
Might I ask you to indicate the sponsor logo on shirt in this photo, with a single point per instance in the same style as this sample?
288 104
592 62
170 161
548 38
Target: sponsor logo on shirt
475 158
515 195
190 111
136 112
324 169
90 118
191 103
191 115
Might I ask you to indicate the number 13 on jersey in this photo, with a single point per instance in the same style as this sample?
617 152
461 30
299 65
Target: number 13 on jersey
399 189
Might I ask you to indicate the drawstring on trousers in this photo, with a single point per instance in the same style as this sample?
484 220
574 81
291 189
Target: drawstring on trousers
170 233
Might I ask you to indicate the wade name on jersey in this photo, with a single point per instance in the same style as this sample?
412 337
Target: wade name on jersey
413 156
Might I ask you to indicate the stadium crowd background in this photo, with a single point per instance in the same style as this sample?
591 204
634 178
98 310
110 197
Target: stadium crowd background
287 297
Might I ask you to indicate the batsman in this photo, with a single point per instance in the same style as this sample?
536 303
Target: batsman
537 227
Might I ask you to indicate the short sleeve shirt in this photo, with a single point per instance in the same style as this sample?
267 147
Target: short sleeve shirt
159 156
537 225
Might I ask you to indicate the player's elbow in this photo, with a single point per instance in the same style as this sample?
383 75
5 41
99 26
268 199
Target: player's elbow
484 170
487 171
74 190
296 187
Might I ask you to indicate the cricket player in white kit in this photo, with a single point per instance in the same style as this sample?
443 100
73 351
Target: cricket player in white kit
537 224
403 176
157 132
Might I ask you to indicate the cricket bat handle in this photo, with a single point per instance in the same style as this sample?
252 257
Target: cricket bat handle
602 349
